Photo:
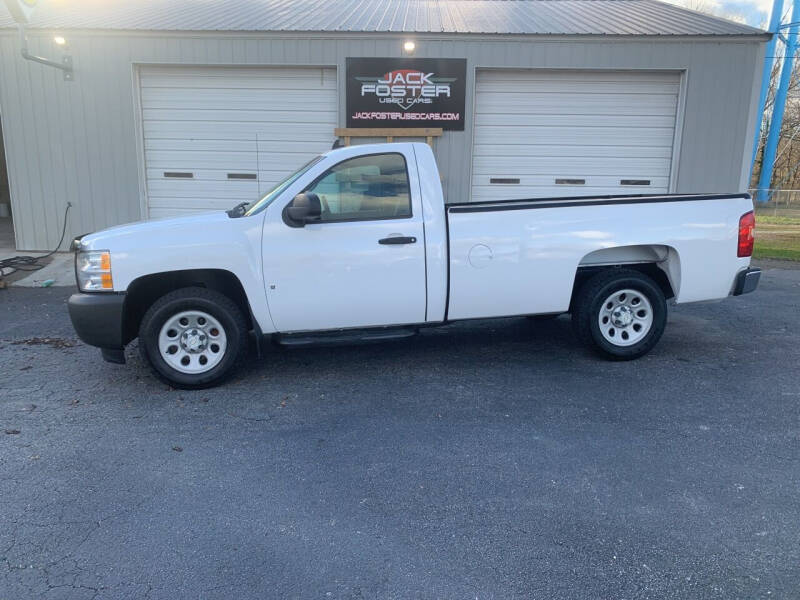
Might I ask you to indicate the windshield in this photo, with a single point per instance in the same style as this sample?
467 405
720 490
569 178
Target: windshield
267 198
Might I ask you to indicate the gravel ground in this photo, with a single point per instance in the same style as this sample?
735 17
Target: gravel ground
488 459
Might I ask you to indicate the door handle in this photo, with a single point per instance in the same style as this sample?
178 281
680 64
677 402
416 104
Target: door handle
396 239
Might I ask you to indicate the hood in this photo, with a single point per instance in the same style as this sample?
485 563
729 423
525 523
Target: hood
155 229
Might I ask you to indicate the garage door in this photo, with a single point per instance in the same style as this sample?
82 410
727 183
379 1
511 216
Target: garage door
540 134
214 137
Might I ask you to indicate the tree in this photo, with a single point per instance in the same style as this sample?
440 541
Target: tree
786 171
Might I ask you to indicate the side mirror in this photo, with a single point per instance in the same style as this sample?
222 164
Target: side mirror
304 208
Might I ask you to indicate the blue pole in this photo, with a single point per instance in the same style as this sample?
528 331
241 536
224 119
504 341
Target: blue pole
771 148
769 59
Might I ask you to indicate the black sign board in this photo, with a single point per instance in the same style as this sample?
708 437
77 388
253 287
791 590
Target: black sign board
406 92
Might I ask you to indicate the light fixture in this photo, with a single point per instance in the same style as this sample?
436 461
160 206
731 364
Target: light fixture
409 46
59 40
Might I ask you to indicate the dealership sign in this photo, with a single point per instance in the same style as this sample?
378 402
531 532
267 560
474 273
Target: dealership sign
406 92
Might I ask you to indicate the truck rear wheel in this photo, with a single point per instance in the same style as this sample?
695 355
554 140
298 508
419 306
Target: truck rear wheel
193 338
620 313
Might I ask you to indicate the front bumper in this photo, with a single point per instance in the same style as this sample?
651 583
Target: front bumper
98 318
746 281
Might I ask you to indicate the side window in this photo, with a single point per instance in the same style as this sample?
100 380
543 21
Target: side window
364 188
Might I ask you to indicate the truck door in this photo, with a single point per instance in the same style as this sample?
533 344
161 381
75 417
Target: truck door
362 263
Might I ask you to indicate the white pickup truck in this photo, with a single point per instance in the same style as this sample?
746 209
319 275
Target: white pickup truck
359 244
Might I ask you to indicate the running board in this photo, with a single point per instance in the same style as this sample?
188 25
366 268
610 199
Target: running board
343 336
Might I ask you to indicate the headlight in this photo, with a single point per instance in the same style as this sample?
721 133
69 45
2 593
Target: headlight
93 271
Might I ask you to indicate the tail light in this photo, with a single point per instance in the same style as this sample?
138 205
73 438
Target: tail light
747 223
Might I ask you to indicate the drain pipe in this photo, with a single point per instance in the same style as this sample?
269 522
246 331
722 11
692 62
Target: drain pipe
769 60
771 147
65 64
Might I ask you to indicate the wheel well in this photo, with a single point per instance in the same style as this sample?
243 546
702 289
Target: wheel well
142 292
652 270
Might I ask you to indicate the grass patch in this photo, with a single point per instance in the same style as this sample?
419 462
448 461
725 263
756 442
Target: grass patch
777 237
768 250
773 220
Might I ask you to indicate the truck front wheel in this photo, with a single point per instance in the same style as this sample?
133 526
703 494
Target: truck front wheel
620 313
193 337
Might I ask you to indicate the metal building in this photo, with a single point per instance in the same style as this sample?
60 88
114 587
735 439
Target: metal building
184 105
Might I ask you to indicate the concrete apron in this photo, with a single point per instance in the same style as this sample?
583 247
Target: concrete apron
60 269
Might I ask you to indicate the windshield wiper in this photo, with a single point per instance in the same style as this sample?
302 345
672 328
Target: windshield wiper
238 210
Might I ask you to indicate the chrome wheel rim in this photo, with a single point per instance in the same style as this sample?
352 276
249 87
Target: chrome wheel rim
192 342
625 318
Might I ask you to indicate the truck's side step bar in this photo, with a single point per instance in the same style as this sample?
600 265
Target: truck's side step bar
343 336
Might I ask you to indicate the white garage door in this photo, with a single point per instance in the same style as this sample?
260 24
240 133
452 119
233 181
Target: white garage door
540 133
214 137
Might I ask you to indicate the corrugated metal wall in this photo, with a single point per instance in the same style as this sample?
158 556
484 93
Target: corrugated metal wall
77 140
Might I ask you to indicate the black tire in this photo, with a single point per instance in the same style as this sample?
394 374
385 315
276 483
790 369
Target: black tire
219 306
589 301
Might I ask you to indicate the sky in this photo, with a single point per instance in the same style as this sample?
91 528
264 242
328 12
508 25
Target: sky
752 12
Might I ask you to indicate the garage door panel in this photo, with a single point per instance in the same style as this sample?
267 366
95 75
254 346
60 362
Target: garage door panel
192 203
574 107
240 145
584 77
555 87
573 167
265 175
172 211
197 174
233 77
311 147
213 98
551 150
600 127
223 116
275 163
310 132
525 98
577 136
176 188
582 107
600 181
194 159
221 124
272 85
268 179
493 193
299 101
165 95
184 144
576 87
590 120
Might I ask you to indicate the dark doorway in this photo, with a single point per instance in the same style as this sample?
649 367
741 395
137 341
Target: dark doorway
6 224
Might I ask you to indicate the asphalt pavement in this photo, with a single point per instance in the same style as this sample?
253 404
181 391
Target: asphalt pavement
486 459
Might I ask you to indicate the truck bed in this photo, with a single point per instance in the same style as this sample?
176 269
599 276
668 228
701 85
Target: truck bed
521 256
